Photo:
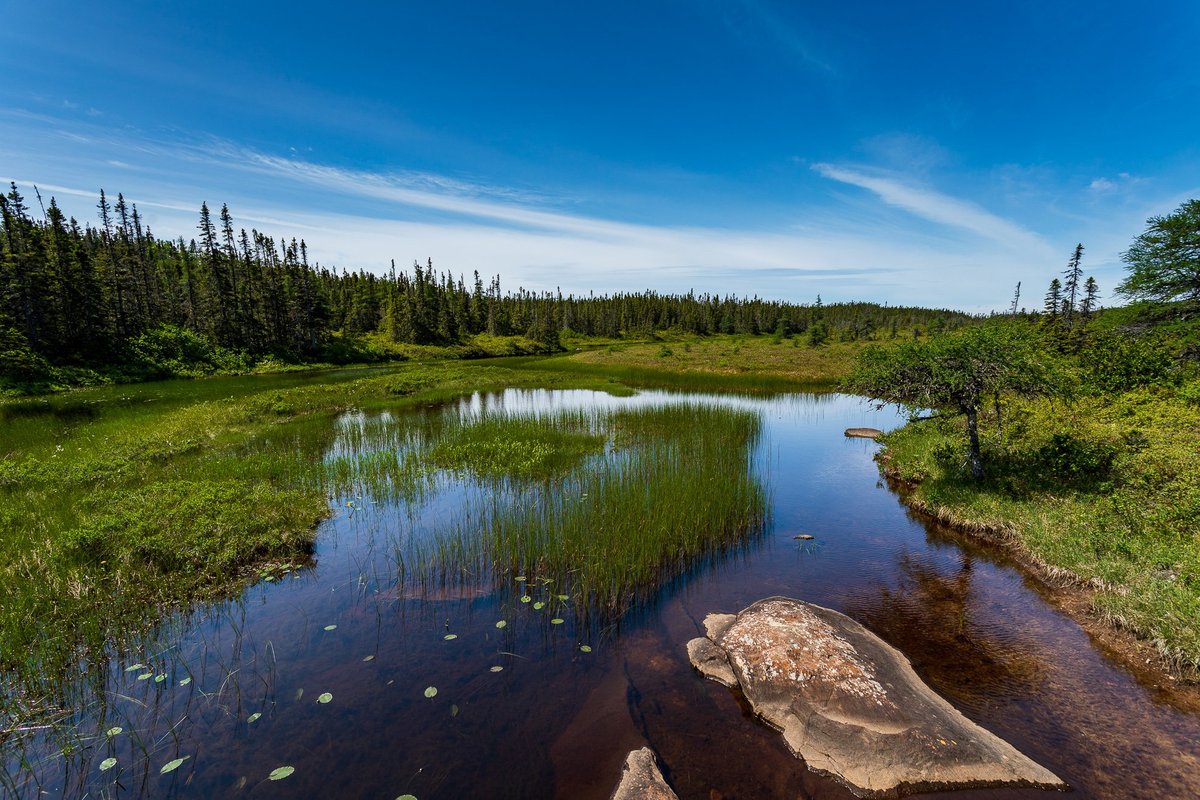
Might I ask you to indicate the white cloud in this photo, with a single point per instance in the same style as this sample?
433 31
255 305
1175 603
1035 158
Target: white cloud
940 208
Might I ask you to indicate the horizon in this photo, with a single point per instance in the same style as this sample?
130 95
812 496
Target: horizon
749 148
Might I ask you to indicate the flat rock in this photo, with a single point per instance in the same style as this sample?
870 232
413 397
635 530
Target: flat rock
851 706
641 779
864 433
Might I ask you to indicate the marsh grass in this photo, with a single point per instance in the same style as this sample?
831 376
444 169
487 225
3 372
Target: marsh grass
528 446
673 484
121 504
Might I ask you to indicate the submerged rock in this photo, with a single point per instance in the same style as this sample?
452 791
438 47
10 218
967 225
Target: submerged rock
641 780
864 433
851 706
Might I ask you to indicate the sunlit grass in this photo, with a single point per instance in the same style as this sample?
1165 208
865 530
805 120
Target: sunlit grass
675 484
1105 489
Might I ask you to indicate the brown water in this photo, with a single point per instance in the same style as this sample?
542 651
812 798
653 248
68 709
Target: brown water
557 721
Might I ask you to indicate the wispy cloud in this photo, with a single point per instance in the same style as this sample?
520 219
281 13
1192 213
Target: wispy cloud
937 207
359 219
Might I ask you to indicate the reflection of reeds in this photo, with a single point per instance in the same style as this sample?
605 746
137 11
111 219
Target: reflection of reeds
675 484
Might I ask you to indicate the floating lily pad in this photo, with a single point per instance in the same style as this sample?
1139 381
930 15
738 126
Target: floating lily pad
539 605
269 578
407 797
450 636
564 597
185 681
325 698
585 648
501 624
331 627
172 765
521 578
526 599
497 668
145 676
253 717
430 691
368 658
453 710
135 667
557 621
107 764
159 678
279 773
116 730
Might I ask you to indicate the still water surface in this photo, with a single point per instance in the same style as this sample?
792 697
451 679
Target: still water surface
556 721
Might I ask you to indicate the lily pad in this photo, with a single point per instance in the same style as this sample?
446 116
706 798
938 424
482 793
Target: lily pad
497 668
279 773
253 717
135 667
368 658
108 764
450 636
172 765
564 597
331 627
325 698
159 678
539 605
116 730
557 621
501 624
453 710
185 681
430 691
526 599
521 578
407 797
145 676
585 648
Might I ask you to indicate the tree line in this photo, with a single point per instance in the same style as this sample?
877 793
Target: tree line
90 294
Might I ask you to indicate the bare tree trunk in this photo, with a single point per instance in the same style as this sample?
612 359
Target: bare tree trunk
974 457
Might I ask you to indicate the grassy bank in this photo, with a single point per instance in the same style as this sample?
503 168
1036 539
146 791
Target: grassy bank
1103 489
749 363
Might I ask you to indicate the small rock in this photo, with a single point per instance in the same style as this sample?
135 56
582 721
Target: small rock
806 537
641 779
864 433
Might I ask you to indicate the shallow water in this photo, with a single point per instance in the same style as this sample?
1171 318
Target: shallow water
556 721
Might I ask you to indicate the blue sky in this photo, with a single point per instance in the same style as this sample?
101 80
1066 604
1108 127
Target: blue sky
921 152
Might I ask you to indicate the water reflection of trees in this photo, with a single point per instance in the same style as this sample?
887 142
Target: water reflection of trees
937 619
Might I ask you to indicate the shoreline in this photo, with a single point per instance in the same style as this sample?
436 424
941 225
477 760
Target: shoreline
1070 594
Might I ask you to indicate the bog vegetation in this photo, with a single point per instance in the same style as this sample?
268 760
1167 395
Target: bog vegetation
1073 433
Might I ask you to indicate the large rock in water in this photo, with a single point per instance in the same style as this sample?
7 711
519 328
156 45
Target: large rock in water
641 779
851 706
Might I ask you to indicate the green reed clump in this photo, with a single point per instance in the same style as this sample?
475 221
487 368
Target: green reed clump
677 484
527 446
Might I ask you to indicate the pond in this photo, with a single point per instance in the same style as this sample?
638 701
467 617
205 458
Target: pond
429 652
